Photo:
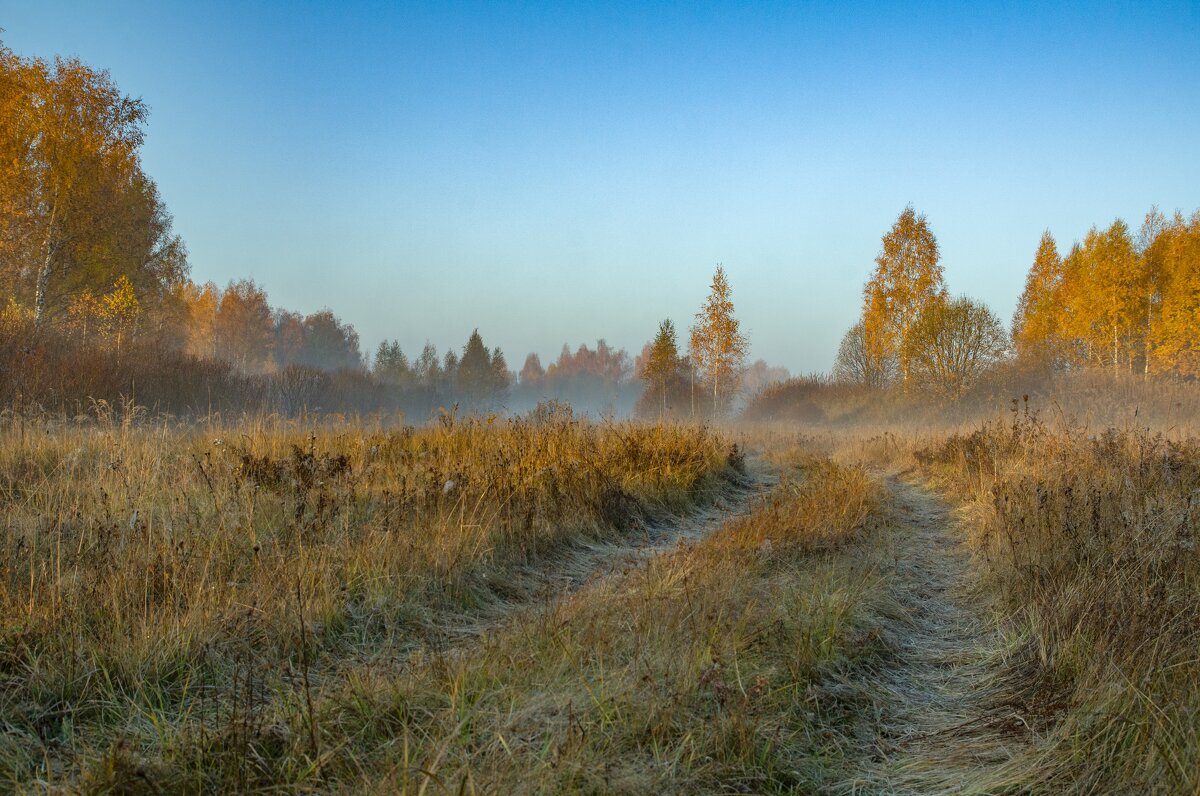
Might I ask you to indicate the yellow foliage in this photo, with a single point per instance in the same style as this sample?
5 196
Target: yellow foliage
12 313
717 345
1176 330
908 276
1037 323
1115 304
85 313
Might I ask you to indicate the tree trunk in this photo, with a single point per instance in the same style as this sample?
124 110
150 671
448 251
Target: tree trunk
1116 357
716 374
692 369
43 279
716 393
1149 320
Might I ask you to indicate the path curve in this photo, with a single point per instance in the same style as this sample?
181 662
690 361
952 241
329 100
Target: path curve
555 578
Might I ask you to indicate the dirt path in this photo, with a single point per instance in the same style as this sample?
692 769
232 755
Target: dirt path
548 580
943 721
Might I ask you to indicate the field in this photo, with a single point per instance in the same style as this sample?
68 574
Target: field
549 604
674 399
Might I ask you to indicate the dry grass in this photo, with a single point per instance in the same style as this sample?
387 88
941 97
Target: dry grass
173 595
1084 524
1091 540
700 671
270 606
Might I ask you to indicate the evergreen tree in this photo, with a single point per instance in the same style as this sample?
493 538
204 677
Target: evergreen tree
475 375
1038 322
501 378
661 367
447 386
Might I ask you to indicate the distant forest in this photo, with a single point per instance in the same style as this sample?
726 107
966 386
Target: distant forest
100 305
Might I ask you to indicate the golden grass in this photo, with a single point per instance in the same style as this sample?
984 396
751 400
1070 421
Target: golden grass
696 671
1083 520
160 583
1091 540
341 607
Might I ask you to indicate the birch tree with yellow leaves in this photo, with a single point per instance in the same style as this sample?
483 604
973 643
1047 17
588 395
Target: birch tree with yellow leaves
76 209
1176 329
1125 303
717 346
907 279
1102 298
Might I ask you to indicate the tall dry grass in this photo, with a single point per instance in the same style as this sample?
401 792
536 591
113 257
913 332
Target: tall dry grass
710 669
1091 538
180 586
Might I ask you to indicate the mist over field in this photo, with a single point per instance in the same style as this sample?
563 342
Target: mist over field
474 398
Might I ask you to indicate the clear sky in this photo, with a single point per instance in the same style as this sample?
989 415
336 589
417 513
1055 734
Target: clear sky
564 172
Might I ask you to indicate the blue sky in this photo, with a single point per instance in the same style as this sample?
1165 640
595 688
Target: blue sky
557 173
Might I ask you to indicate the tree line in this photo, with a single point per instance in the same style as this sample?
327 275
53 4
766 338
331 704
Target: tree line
1118 301
1122 301
87 246
89 259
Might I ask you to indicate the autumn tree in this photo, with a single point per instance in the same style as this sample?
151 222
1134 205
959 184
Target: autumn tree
200 318
1153 248
952 343
660 370
120 309
1103 298
1102 304
329 343
588 378
19 178
1176 329
78 211
85 316
244 327
1038 323
716 344
532 376
288 345
907 278
758 376
428 369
